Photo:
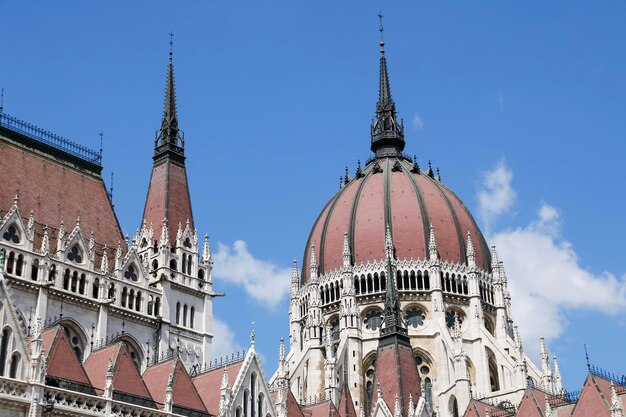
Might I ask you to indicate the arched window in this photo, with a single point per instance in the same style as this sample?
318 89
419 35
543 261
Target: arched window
75 255
124 295
157 307
74 284
34 270
185 315
76 336
95 288
81 285
260 404
454 407
15 365
189 265
66 279
131 299
192 314
111 294
201 274
150 305
173 265
178 313
155 265
138 301
10 262
238 412
246 399
252 392
184 263
53 273
19 265
4 347
12 235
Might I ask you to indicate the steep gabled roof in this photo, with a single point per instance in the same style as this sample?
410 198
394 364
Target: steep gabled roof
293 408
346 405
595 398
208 385
184 392
321 409
62 362
396 372
126 377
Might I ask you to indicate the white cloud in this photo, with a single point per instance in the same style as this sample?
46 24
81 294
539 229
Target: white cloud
497 195
544 272
418 123
223 340
264 281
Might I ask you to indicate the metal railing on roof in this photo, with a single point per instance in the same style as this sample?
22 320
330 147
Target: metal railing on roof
51 139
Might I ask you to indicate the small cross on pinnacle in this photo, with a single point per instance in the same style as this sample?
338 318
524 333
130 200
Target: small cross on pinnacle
381 29
171 43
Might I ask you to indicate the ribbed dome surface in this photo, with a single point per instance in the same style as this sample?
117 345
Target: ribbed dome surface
406 200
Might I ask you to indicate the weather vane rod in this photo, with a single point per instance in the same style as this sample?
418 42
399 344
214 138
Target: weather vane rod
381 30
171 43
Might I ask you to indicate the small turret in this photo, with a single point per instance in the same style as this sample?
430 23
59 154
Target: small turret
108 385
469 252
169 395
347 256
295 280
313 265
432 245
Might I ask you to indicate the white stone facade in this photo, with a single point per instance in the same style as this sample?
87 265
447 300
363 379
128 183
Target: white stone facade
458 318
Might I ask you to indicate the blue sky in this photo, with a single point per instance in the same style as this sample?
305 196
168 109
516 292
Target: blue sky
521 105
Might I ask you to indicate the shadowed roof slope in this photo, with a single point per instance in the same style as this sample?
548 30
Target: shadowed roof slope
55 189
184 392
208 385
126 377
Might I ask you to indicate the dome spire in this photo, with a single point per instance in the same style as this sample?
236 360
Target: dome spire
387 132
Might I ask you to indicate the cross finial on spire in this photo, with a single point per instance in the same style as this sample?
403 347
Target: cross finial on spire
171 44
381 29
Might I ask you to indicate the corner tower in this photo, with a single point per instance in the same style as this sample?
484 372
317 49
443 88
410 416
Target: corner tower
168 201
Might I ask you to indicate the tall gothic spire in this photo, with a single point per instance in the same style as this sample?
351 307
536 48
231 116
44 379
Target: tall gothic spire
168 193
387 132
169 138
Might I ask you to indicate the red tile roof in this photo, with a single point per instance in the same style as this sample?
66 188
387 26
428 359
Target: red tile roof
209 383
346 405
56 191
62 361
594 399
184 392
293 408
396 372
168 197
415 201
126 377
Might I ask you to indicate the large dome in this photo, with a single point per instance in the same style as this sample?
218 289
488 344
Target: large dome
392 190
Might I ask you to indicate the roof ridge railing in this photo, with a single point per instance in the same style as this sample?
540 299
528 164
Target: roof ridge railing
221 362
617 379
33 132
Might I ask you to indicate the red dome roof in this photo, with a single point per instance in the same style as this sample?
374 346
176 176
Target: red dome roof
409 202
